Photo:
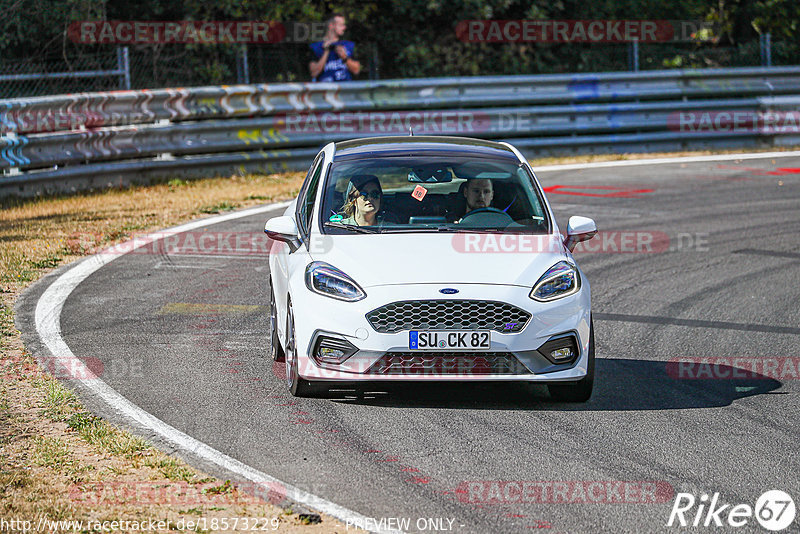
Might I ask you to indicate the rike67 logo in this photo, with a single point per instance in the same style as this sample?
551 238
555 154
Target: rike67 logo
774 510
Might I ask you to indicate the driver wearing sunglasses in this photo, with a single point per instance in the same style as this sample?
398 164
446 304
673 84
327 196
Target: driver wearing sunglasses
362 206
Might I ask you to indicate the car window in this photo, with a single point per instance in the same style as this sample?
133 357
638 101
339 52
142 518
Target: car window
407 194
308 196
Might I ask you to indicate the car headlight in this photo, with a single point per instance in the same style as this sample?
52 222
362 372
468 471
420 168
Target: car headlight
560 280
327 280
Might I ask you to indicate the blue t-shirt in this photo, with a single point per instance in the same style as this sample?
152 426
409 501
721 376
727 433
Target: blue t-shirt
335 69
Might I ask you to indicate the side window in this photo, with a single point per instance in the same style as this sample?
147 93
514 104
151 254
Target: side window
309 194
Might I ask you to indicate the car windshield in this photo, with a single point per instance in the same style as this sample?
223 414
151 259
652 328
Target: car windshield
431 194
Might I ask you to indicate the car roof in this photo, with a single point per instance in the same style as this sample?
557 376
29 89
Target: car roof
427 145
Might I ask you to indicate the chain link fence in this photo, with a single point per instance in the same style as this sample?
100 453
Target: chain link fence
689 56
101 68
56 74
184 65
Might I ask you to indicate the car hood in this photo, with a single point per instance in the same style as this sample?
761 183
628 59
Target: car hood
442 258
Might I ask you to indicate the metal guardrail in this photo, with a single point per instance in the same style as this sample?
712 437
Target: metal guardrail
144 106
277 132
137 134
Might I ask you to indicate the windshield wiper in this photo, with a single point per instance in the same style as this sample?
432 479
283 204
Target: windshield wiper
353 227
411 229
414 229
468 229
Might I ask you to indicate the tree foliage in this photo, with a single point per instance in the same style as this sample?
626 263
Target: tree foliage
411 38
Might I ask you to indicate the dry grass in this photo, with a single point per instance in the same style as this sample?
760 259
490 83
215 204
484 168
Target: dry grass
36 235
57 460
72 466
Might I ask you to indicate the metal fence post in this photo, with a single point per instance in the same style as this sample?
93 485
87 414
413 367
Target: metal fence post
765 46
768 47
124 67
633 56
242 67
374 69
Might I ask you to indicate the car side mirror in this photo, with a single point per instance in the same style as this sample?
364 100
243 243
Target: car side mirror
579 229
283 229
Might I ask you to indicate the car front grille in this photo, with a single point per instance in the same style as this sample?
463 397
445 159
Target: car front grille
448 315
448 363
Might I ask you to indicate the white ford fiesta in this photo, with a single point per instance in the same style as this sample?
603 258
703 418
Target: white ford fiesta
428 258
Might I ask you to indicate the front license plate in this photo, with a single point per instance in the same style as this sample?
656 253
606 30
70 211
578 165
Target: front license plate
449 340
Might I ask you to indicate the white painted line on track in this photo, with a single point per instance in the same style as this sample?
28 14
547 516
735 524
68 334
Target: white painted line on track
661 161
48 326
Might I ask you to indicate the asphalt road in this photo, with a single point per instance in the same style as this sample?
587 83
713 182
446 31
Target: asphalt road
184 337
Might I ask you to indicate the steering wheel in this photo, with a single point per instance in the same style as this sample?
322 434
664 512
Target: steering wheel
487 217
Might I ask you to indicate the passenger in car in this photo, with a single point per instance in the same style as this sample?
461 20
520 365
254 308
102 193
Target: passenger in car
363 200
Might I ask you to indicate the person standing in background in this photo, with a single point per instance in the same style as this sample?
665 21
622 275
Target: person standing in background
332 59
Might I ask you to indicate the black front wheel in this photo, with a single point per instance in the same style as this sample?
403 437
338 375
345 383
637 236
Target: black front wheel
275 349
581 390
297 386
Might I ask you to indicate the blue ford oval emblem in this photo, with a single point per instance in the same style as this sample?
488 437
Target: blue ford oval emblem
448 291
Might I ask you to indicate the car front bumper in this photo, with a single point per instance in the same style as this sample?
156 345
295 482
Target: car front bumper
386 356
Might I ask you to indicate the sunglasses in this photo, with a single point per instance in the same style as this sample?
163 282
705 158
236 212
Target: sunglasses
374 194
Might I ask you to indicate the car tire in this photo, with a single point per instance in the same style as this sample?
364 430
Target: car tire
581 390
297 386
275 349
